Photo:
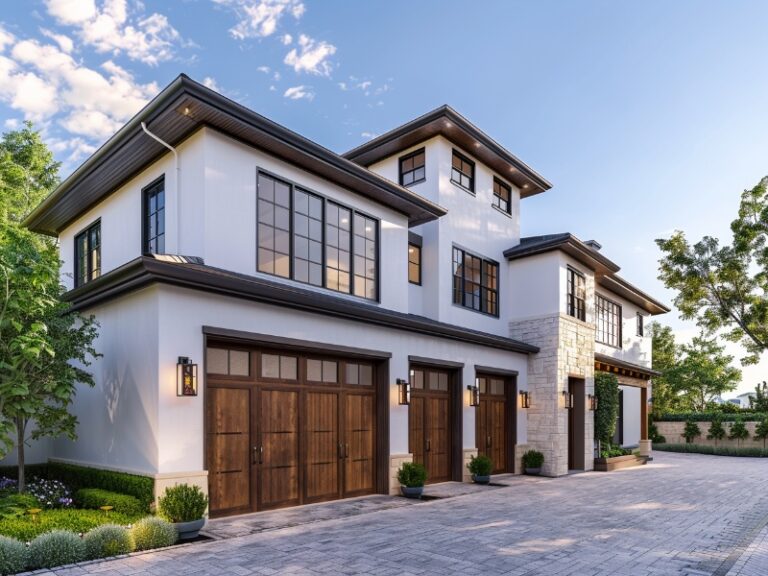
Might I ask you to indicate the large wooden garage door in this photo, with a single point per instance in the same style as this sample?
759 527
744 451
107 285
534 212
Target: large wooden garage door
429 422
492 422
288 429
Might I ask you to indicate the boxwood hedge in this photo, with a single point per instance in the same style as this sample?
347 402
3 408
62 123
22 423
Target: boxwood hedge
714 450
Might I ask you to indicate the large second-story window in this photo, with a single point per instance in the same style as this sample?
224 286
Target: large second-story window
306 237
412 169
414 264
475 282
88 254
154 218
463 172
576 294
502 196
607 322
640 327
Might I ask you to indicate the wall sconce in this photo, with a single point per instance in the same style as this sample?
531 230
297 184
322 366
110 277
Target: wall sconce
403 392
525 399
592 402
567 399
474 393
186 377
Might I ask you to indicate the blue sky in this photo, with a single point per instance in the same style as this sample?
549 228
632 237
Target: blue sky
646 116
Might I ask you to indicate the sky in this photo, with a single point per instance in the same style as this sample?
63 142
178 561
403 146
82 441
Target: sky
646 116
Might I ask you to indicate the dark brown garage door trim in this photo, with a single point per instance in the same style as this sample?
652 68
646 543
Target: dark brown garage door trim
495 371
435 362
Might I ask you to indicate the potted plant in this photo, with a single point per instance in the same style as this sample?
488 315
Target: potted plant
532 461
412 477
184 506
480 467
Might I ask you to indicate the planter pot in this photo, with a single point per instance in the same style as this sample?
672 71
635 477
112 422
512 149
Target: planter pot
481 479
412 491
189 530
618 462
533 471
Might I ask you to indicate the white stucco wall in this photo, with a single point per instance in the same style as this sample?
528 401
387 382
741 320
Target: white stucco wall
631 415
534 286
635 349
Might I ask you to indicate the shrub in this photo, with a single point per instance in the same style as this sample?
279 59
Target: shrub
14 505
653 434
182 503
56 549
77 477
13 556
412 475
747 414
611 451
533 459
691 431
713 450
25 528
738 432
480 465
50 493
716 430
607 392
108 540
7 484
152 532
32 470
95 498
761 430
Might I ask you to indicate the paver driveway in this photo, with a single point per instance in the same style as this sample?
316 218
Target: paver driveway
681 514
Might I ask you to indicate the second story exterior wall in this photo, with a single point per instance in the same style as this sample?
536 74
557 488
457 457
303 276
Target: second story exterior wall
634 348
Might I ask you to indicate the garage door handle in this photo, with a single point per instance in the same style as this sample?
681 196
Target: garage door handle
346 451
257 453
341 451
488 441
429 445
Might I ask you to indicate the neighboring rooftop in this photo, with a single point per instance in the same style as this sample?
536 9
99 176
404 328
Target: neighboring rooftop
446 122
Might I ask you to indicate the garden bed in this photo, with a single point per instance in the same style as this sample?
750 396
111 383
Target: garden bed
619 462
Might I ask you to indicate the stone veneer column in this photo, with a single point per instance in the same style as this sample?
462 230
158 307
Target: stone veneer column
395 461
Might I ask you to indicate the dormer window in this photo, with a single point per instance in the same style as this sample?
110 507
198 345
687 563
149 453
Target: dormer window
502 196
463 172
412 170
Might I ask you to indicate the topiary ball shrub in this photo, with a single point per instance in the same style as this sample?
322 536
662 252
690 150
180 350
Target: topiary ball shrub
480 465
152 532
108 540
412 475
13 556
182 503
56 548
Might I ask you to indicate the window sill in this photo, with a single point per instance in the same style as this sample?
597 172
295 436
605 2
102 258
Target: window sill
413 183
467 190
507 214
468 309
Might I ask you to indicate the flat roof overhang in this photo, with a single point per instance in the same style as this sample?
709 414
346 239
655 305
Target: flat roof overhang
181 109
604 363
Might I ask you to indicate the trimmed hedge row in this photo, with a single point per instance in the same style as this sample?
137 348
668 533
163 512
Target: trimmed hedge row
744 415
26 528
39 470
95 498
713 450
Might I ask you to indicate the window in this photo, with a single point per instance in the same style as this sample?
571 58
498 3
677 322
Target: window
307 238
154 218
576 294
359 374
322 371
607 322
463 172
475 282
640 330
279 367
414 264
228 362
88 254
502 195
412 168
274 207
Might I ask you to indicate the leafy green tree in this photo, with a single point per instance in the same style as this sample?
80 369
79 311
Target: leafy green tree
761 430
665 354
716 430
725 288
703 373
738 431
607 392
760 400
691 431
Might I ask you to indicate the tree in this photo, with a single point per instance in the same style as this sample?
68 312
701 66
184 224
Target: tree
761 430
703 373
665 354
716 430
738 431
760 400
607 392
725 288
691 431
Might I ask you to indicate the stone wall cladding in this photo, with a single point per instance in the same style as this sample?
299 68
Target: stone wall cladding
468 454
395 461
673 432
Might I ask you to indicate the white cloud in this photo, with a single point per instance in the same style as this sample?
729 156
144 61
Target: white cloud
299 93
211 83
260 18
12 123
368 135
286 39
111 29
64 42
6 38
312 56
264 69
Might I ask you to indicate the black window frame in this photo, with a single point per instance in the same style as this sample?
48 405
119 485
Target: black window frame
152 189
89 270
576 306
497 199
610 332
417 263
459 297
291 229
640 325
407 157
465 160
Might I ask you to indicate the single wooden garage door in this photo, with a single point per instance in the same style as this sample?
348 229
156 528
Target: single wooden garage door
429 421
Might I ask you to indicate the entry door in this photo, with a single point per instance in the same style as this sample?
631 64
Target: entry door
492 422
430 422
279 448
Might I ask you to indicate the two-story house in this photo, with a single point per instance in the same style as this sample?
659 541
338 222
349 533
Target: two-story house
281 324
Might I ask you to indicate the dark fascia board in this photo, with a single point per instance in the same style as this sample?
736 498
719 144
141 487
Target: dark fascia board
611 361
569 244
146 270
435 362
447 120
618 285
492 371
418 208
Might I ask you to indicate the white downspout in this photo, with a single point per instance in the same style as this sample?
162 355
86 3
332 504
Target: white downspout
176 186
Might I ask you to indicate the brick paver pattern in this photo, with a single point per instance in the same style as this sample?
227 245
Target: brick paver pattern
681 514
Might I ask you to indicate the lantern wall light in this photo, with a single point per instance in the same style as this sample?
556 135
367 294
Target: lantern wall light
525 399
567 399
403 392
474 393
186 377
592 402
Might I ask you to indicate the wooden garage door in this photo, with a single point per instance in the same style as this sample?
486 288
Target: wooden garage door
492 422
429 422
